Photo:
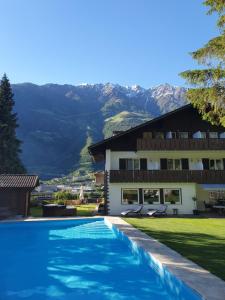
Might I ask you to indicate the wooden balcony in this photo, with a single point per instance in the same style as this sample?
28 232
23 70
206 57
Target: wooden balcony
199 176
180 144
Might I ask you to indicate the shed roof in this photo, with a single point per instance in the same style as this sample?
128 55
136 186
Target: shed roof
18 181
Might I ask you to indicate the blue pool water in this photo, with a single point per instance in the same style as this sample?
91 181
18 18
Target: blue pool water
79 259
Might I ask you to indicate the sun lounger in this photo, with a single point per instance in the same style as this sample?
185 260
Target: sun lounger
161 211
128 212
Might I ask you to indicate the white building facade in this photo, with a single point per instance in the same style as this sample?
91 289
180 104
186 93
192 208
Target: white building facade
177 159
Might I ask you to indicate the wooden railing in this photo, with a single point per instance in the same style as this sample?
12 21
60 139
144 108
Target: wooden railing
180 144
197 176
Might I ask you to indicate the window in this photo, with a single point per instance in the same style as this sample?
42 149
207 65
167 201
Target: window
129 164
174 164
172 196
136 164
174 135
199 135
177 164
219 164
183 135
171 135
130 196
212 164
147 135
132 164
203 135
213 135
151 196
159 135
169 164
215 164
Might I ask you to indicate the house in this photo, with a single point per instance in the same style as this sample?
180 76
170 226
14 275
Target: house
171 159
15 193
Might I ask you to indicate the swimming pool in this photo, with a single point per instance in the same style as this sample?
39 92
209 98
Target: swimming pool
80 259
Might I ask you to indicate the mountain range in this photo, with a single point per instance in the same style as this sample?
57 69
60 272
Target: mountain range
57 123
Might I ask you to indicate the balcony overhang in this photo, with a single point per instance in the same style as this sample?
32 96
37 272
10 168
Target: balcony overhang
180 144
166 176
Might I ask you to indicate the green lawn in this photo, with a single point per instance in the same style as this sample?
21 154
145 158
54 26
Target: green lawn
200 240
82 210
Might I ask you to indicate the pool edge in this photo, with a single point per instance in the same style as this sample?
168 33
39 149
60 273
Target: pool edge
200 280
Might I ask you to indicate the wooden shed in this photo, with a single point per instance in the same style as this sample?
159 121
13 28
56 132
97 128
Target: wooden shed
15 190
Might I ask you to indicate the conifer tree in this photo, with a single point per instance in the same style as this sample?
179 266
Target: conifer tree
208 92
9 144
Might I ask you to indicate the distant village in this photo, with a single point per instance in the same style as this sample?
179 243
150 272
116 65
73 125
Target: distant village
92 188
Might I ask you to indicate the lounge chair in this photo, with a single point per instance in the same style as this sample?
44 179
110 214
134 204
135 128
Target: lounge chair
161 211
128 212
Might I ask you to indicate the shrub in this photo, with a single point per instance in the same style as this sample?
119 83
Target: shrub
64 195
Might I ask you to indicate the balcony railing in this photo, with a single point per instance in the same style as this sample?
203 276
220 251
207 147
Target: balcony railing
197 176
180 144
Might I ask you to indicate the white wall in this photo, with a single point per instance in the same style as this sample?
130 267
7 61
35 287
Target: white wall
188 190
195 162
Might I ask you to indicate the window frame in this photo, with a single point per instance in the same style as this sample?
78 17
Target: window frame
159 135
173 164
215 160
183 132
126 159
213 132
133 189
143 194
139 164
203 135
180 194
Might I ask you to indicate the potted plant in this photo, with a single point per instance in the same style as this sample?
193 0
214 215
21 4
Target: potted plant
195 211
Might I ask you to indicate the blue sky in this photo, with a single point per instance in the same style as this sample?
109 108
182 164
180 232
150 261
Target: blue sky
143 42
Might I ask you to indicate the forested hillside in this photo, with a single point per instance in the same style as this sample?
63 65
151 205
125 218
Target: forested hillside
59 122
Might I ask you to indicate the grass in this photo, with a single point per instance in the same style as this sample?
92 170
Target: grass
82 210
200 240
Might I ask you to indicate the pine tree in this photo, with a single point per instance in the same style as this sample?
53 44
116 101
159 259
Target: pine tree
9 144
208 92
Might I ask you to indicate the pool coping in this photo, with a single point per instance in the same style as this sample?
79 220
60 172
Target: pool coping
209 286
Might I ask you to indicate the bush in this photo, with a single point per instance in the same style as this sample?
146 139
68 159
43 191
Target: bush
64 195
61 202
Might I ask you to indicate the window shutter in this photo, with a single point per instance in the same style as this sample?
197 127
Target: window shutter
163 163
143 164
185 164
161 193
205 162
140 196
122 164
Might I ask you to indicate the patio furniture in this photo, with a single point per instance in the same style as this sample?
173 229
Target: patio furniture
175 211
56 210
220 209
136 211
70 210
53 210
161 211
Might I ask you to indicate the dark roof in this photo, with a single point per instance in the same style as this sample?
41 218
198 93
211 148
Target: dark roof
188 106
18 181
